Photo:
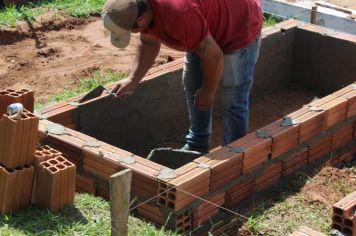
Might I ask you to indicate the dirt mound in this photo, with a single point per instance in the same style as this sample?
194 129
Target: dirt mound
328 186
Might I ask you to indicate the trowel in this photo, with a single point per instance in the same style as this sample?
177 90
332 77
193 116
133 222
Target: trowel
96 93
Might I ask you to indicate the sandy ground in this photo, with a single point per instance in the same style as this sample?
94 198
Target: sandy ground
54 60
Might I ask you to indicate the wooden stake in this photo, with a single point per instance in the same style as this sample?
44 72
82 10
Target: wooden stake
313 14
120 187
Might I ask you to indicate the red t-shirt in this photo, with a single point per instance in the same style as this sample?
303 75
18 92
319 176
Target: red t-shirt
184 24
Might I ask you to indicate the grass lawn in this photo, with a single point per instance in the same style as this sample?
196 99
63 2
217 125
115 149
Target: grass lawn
89 216
306 200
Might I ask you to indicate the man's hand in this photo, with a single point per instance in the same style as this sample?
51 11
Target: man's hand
147 50
204 99
124 88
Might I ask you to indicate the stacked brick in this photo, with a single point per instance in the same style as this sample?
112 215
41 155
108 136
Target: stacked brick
17 149
239 193
144 180
18 139
151 212
320 148
225 165
348 93
207 210
192 182
255 150
295 162
271 175
283 137
23 96
61 113
344 215
85 184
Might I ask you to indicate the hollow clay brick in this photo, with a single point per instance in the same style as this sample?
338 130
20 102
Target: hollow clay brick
295 161
238 193
153 213
320 148
15 199
283 138
105 168
8 97
191 179
183 223
55 184
333 106
346 207
225 166
29 172
18 140
255 151
348 93
342 136
42 153
347 155
85 182
206 210
271 175
311 122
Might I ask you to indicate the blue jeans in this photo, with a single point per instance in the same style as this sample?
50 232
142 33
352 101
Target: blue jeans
235 88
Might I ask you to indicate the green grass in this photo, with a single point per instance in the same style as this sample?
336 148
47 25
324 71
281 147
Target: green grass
11 15
89 216
77 8
85 85
269 20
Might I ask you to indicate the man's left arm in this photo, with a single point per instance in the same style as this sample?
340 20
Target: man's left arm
212 62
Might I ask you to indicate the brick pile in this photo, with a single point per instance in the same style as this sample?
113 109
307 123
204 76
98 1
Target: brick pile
17 149
344 215
23 96
28 173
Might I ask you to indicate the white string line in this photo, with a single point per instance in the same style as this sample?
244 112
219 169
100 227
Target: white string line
150 199
228 210
286 17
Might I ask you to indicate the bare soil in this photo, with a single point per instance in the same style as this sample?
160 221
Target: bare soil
54 55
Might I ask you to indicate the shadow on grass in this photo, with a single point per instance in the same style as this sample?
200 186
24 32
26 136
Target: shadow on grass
39 221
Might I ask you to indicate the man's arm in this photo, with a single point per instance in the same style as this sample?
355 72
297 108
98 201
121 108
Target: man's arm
212 62
146 53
